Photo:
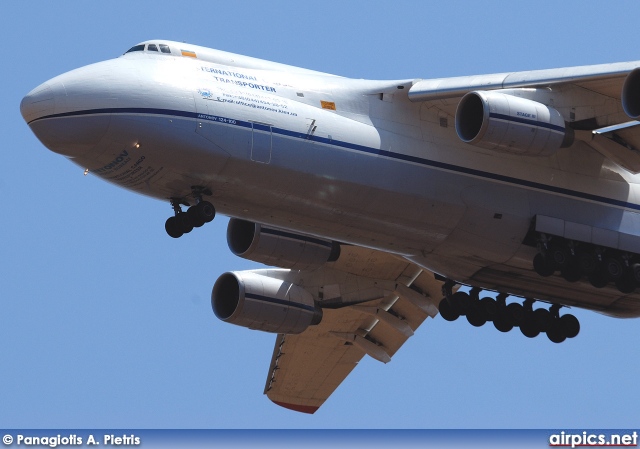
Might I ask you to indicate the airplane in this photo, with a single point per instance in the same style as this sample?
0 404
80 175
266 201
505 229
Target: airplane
371 202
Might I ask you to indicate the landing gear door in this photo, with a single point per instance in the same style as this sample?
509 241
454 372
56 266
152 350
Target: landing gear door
261 142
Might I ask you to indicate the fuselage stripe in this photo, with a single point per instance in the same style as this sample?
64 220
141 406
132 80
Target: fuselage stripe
356 147
298 237
537 124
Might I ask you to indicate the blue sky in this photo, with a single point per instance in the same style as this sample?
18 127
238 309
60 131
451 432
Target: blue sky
105 321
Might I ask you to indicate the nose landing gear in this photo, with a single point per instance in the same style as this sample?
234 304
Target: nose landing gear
196 216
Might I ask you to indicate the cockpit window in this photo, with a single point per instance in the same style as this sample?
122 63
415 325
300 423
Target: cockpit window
164 48
136 48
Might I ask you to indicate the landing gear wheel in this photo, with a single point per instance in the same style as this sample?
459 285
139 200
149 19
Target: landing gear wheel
447 311
503 320
515 313
587 261
614 268
598 279
635 270
559 256
569 325
502 324
528 326
184 223
542 266
489 307
172 227
194 216
475 315
206 210
626 284
461 302
571 272
543 319
555 333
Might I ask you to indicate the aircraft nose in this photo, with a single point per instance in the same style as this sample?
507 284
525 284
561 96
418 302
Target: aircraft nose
62 111
37 103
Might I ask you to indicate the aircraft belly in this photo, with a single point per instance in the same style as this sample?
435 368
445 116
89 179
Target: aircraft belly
157 155
357 198
465 227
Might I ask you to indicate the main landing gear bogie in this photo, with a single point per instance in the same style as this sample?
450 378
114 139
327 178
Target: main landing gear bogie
577 260
196 216
505 317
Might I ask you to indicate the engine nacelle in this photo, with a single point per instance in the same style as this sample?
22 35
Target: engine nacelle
260 302
631 94
501 122
279 248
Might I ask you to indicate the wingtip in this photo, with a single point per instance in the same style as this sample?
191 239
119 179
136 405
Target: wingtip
310 409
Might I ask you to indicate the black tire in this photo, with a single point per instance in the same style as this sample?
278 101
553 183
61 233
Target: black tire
614 267
489 307
461 302
515 313
542 266
184 223
587 261
543 319
571 272
528 327
555 333
475 315
626 284
447 311
172 228
635 270
502 324
598 278
206 210
559 256
570 325
194 216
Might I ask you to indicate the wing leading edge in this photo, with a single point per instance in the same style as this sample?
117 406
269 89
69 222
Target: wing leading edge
590 99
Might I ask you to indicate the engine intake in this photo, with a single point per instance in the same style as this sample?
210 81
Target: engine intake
501 122
260 302
631 94
279 248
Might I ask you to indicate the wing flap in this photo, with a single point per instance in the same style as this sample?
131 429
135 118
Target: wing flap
620 145
307 368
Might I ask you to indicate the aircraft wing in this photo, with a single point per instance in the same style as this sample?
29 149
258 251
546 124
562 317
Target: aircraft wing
589 98
603 79
306 368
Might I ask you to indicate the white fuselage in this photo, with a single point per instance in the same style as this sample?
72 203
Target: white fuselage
351 160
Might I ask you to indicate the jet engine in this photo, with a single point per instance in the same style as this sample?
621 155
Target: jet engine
501 122
279 248
631 94
260 302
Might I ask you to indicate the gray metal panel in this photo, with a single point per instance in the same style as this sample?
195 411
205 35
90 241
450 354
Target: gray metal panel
629 242
577 231
605 237
550 225
585 233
